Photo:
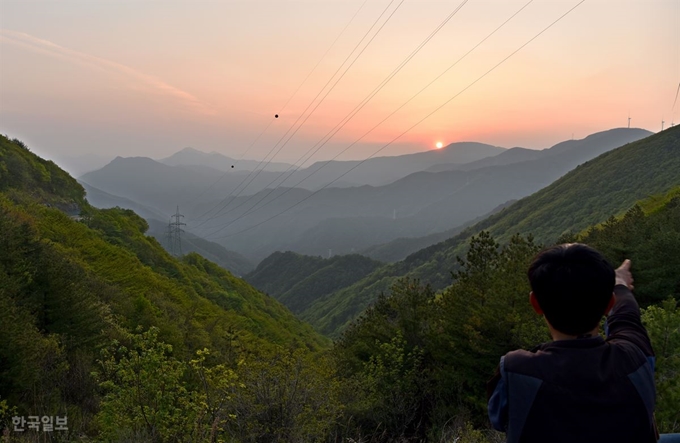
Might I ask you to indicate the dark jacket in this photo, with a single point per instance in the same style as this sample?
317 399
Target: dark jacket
584 390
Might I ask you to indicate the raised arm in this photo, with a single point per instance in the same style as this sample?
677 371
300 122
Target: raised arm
624 322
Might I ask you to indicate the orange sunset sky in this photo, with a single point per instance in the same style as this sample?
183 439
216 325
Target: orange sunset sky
150 77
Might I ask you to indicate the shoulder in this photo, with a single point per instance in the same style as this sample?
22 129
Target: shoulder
628 356
523 361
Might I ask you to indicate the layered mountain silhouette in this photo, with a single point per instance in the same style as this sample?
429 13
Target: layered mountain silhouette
192 176
347 220
594 191
194 157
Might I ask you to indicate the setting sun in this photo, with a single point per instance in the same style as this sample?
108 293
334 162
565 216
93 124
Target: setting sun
439 145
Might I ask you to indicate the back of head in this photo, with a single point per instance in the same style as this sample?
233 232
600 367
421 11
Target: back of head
573 284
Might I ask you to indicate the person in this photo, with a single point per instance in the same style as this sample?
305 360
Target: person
580 387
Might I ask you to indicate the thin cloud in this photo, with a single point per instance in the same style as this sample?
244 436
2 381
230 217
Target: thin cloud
153 83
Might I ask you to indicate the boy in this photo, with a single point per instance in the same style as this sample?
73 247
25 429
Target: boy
580 387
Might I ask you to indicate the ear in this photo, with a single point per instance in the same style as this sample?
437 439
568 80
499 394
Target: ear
534 303
610 305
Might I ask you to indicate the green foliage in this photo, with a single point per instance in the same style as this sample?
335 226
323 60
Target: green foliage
215 392
663 325
285 396
393 382
69 287
149 395
145 398
383 358
414 361
485 314
42 179
651 240
213 359
436 352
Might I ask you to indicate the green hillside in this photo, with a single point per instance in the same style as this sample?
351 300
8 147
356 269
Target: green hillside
607 185
100 324
420 360
74 278
298 280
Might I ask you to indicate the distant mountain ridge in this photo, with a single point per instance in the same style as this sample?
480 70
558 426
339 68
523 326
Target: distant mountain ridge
589 194
379 171
588 146
348 219
190 173
510 156
420 204
215 160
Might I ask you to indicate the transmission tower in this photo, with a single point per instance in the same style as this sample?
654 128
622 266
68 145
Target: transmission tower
174 233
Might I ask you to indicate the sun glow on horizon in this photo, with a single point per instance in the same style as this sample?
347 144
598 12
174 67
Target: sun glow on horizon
439 145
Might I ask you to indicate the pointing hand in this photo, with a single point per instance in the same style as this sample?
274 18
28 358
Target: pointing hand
624 276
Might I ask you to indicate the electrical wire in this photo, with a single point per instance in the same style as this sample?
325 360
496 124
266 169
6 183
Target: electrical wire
326 138
282 109
253 209
412 127
311 103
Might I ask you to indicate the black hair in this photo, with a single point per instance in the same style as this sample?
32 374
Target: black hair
573 284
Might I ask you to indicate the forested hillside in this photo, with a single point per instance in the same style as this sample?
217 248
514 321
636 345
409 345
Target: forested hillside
229 260
298 280
100 324
420 360
607 185
75 280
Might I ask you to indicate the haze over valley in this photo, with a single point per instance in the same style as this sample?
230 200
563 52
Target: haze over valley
312 221
414 201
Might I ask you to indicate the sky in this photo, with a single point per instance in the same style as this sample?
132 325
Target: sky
101 78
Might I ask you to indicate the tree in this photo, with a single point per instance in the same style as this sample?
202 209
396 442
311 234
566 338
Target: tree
663 325
286 395
385 364
145 398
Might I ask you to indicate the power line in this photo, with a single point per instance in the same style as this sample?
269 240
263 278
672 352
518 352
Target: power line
325 53
281 111
320 101
253 208
315 98
330 134
416 124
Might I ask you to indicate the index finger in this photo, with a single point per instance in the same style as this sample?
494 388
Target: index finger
626 264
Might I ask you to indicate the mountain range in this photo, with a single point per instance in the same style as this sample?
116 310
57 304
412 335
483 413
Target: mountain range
194 157
347 220
90 304
593 191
